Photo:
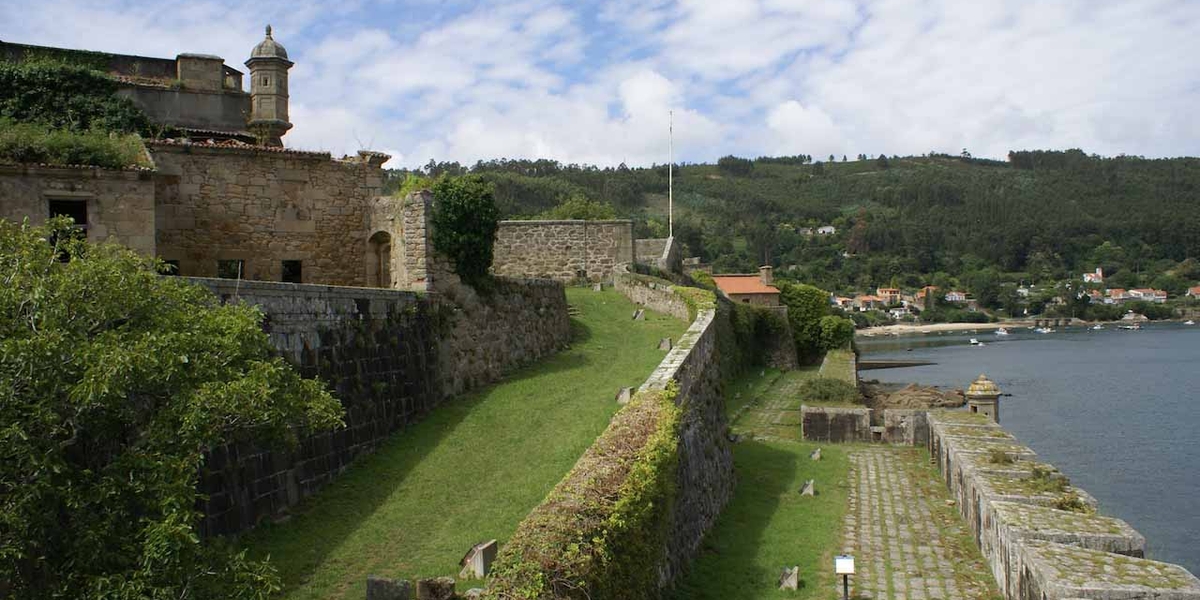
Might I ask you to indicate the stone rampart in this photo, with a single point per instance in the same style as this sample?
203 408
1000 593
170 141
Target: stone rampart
1042 537
569 524
562 250
830 424
119 204
389 356
651 292
648 251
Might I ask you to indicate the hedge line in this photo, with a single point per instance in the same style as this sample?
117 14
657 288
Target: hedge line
601 532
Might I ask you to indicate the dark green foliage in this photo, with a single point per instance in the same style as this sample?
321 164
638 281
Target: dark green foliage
35 143
113 383
836 332
464 222
806 306
66 96
826 390
734 165
602 530
579 207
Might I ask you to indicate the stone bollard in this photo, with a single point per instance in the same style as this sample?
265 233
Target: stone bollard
625 395
664 344
809 488
816 454
381 588
639 315
438 588
598 287
790 578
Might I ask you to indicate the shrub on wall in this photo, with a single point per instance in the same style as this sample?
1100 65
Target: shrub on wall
579 206
602 531
113 383
35 143
836 332
66 96
806 305
465 221
828 390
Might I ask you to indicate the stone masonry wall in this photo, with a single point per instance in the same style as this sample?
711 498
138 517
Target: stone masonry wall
1043 540
390 356
648 251
265 206
653 293
378 349
560 250
705 476
120 204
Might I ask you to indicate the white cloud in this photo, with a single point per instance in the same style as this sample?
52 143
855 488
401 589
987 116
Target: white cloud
593 82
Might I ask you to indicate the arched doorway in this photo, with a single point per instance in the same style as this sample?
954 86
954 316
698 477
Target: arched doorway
379 260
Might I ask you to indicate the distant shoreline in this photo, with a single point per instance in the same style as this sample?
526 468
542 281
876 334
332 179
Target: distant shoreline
908 328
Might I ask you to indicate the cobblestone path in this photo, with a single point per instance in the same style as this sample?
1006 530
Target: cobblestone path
908 543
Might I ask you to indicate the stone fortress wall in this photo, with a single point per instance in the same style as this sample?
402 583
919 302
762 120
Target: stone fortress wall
1042 540
563 250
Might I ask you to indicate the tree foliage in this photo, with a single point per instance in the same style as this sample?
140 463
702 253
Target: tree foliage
465 220
580 207
806 306
35 143
66 96
114 381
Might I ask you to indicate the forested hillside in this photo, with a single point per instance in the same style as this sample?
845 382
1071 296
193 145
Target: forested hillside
947 220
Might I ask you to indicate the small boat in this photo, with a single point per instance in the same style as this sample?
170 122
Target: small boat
1044 330
1134 327
1097 327
1189 322
975 342
1002 331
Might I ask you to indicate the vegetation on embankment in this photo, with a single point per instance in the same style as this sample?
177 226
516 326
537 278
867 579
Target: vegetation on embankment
33 143
473 469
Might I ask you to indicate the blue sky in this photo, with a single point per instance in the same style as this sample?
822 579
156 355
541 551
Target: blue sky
592 82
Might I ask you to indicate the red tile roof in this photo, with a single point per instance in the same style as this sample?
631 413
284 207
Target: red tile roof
743 284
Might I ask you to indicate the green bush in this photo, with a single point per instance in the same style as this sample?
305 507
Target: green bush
66 96
114 381
465 221
579 207
806 305
836 332
35 143
825 390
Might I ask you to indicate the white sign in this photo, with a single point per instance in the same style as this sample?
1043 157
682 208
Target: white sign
843 565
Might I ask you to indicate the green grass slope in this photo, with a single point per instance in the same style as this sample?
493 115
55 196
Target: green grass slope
473 469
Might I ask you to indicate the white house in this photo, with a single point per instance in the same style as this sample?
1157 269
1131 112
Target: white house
956 296
826 230
1097 277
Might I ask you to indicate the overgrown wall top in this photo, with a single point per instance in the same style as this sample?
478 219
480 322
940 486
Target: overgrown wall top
561 250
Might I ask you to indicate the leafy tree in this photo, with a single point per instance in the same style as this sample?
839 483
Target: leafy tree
806 305
836 332
734 165
579 207
465 220
114 381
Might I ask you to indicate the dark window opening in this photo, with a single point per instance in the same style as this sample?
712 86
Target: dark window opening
231 269
266 81
76 209
745 301
170 267
291 271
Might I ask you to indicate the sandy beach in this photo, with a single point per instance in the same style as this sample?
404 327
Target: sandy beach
910 328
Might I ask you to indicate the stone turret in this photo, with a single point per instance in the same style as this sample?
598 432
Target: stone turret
984 397
269 66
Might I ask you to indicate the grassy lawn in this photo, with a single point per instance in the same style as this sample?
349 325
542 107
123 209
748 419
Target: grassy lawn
768 525
472 469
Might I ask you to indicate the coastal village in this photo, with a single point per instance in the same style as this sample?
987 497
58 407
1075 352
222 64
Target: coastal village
237 369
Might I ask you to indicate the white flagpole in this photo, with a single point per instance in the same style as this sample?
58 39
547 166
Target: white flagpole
671 174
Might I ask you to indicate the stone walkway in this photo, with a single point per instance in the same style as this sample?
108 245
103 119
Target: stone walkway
908 543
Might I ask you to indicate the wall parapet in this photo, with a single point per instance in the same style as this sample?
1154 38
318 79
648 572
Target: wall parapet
563 250
1041 536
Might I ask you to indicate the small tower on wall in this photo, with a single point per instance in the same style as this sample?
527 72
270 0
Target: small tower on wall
269 66
984 397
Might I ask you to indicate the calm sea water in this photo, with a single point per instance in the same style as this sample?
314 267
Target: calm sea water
1117 411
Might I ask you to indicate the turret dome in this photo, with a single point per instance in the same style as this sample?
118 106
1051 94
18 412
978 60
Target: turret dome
269 48
983 387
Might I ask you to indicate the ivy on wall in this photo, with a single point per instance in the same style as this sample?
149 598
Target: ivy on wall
465 220
66 96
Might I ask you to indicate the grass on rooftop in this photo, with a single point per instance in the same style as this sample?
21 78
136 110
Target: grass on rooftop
473 469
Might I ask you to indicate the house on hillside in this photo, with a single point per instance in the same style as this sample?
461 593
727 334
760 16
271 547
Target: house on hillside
750 289
1148 295
1193 292
888 295
841 302
1097 277
956 296
924 296
826 230
868 302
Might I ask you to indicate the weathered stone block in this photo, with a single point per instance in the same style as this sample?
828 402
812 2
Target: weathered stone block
380 588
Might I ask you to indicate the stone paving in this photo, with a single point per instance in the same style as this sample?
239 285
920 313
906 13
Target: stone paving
907 541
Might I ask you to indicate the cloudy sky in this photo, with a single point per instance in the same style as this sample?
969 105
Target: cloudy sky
592 82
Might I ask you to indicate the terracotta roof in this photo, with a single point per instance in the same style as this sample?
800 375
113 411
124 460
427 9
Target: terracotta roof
235 145
1195 291
743 284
